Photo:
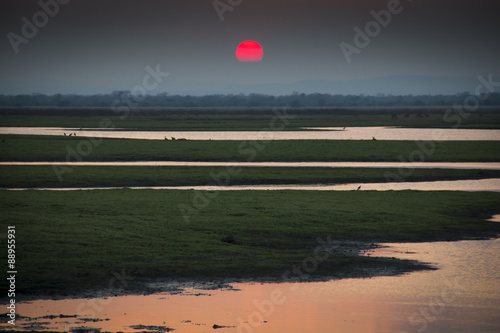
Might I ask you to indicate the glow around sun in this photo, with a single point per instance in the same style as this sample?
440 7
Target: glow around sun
249 51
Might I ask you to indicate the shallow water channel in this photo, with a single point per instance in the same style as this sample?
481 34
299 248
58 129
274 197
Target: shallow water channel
489 185
463 295
331 133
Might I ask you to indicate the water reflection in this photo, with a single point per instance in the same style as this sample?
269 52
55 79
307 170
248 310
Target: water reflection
490 185
461 296
351 133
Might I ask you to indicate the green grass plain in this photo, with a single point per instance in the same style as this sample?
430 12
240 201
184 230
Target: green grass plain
108 176
246 119
59 148
69 242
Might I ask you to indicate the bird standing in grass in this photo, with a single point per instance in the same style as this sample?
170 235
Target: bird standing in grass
373 138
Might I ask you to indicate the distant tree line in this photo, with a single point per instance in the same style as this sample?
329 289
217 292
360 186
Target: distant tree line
295 100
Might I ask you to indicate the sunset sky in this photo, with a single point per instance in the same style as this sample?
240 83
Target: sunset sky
101 46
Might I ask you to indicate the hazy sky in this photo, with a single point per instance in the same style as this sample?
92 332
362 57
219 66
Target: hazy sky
105 45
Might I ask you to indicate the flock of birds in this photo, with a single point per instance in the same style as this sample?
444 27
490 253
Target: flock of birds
173 139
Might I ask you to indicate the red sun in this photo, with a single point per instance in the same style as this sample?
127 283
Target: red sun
249 51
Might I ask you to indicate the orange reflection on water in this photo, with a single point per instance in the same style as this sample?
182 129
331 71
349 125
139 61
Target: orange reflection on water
463 295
